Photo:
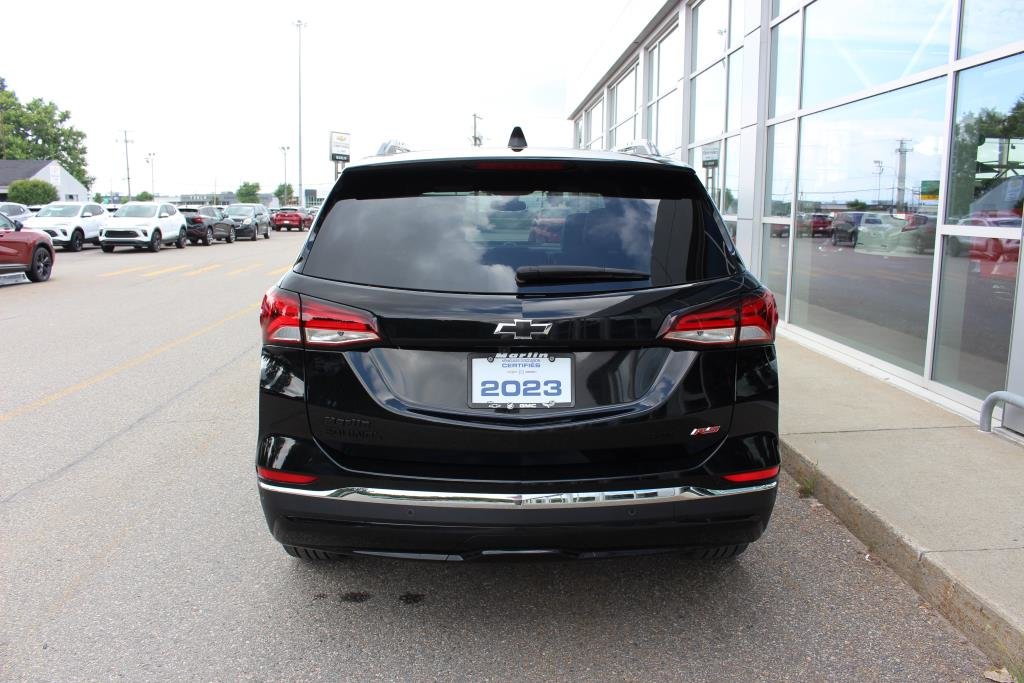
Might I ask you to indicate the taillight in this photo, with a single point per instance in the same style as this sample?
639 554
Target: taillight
748 320
289 320
284 477
754 475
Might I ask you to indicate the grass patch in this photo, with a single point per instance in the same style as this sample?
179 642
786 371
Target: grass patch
805 485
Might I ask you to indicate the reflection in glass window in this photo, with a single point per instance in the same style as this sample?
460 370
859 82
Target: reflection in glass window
988 24
666 121
710 31
785 65
593 124
986 185
736 21
774 261
577 133
972 332
731 176
624 97
709 171
778 200
735 90
844 53
666 62
862 275
783 7
707 103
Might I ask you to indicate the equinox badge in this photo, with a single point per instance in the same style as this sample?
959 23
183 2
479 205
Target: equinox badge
522 329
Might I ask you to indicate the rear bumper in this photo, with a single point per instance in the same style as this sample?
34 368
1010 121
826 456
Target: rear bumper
460 526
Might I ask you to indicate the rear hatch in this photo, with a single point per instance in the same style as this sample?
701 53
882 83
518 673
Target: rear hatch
445 339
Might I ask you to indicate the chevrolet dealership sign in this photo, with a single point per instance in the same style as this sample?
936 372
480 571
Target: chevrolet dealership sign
340 145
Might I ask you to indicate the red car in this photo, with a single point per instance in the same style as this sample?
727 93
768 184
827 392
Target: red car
289 217
24 251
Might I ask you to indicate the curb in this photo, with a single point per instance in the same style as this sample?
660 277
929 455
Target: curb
981 621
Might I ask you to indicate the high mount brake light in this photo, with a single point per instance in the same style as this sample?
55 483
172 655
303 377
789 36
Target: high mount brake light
290 320
745 321
520 166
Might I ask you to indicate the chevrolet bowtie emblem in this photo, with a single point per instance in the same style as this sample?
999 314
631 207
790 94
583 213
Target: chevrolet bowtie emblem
522 329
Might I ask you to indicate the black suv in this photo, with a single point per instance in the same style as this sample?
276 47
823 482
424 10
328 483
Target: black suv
437 384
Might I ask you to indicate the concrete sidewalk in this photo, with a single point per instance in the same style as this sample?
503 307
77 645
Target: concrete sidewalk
939 501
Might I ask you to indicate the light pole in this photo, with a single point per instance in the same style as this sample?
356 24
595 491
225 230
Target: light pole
878 171
284 150
151 160
302 197
127 166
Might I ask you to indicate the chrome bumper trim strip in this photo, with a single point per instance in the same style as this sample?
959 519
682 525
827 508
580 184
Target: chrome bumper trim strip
505 501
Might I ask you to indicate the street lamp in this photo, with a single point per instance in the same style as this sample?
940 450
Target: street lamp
284 150
151 160
302 197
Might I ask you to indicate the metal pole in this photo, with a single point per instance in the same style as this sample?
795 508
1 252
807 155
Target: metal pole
127 166
151 160
302 197
284 150
477 142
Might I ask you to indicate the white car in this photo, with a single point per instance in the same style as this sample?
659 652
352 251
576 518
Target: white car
144 224
16 212
69 224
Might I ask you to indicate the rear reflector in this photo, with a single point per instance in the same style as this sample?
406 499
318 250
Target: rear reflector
290 320
756 475
748 320
284 477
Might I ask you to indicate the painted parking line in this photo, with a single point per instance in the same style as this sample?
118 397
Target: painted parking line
127 365
200 271
165 270
122 271
279 271
245 269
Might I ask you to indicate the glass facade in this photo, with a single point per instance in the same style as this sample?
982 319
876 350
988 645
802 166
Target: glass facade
884 147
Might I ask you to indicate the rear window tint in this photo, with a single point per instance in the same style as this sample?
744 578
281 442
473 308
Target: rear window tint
461 231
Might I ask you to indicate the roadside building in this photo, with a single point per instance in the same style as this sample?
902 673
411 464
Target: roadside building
68 187
902 122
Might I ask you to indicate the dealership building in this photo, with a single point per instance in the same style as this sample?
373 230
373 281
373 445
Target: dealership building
868 158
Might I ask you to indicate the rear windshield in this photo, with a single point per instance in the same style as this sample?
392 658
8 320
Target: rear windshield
469 232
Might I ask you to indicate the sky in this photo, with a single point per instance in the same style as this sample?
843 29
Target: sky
211 88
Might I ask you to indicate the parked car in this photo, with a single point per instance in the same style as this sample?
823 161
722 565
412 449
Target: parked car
957 245
16 212
289 217
207 225
847 226
70 224
918 234
251 220
814 224
144 224
434 385
27 251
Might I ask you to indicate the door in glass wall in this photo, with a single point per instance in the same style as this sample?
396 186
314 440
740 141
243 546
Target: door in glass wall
980 259
864 233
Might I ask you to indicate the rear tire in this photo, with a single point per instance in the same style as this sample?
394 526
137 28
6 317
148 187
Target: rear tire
721 552
266 235
311 554
41 266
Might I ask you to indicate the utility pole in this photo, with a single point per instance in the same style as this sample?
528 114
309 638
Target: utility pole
302 197
477 140
151 160
901 173
284 150
127 166
879 168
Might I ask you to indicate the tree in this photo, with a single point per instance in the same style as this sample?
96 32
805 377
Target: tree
143 197
31 192
284 193
248 193
856 205
97 198
40 130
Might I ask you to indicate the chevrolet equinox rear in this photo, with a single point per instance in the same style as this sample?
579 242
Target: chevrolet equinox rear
517 352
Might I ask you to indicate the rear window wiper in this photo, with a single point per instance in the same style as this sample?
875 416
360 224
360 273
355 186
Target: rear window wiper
536 275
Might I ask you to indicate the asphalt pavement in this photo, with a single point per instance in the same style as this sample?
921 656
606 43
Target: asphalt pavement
132 545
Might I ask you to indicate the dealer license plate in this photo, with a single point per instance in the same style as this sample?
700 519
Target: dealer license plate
520 380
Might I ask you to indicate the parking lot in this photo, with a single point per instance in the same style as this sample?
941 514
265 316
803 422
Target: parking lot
134 546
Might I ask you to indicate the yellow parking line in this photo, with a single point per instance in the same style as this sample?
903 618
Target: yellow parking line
164 270
201 270
123 271
279 271
127 365
239 271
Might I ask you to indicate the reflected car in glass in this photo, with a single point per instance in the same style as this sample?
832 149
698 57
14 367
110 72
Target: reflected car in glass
438 383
